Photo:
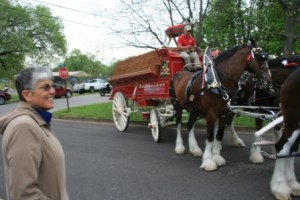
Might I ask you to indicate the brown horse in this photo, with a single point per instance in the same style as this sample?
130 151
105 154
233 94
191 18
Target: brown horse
283 182
251 94
208 95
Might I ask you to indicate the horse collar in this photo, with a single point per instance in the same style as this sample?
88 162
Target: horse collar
213 84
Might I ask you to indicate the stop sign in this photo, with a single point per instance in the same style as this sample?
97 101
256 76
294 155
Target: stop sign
63 73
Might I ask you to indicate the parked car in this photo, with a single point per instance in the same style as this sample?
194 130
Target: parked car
4 96
60 91
95 85
78 88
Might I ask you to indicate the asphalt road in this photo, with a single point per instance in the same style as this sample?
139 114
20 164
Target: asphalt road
62 102
104 164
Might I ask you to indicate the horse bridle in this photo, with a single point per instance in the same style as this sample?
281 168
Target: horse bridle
261 57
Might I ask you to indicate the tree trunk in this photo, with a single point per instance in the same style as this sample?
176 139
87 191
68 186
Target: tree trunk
291 14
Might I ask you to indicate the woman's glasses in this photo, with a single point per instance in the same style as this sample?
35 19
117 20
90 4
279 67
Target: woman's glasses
46 87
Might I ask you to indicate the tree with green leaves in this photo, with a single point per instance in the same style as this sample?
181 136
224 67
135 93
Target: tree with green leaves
274 24
291 33
142 24
28 33
225 24
77 61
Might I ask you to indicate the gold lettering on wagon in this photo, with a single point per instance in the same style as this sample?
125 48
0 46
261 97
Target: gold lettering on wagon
152 87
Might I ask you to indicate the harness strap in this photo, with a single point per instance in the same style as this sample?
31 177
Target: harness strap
250 56
188 92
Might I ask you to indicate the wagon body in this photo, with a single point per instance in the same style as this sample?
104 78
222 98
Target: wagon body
145 79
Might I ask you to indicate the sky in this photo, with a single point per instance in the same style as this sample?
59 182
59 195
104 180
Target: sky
87 27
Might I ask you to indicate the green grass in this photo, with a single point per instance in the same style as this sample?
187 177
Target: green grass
104 111
2 86
94 111
14 98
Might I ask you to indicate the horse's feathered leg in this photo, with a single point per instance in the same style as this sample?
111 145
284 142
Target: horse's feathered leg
233 138
258 124
179 148
217 146
283 183
255 155
195 150
278 184
208 164
291 177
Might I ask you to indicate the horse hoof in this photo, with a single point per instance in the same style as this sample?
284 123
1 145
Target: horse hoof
219 160
239 144
209 165
256 158
180 149
196 152
295 186
279 196
296 193
281 190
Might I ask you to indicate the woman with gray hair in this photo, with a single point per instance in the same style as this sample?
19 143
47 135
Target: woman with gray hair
34 162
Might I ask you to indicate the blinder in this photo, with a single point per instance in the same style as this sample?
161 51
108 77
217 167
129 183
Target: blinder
262 57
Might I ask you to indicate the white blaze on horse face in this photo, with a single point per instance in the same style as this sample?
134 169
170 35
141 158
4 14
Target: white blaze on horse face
287 146
252 53
269 71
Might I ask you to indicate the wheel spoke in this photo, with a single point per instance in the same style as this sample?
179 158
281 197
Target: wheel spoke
155 125
120 111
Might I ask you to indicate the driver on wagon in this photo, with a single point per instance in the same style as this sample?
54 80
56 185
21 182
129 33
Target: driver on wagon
187 46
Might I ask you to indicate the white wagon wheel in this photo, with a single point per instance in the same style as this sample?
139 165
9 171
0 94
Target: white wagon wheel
120 111
155 125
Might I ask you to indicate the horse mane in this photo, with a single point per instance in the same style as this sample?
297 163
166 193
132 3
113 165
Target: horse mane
228 53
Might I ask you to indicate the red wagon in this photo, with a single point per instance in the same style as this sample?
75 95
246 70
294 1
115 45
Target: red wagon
145 80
